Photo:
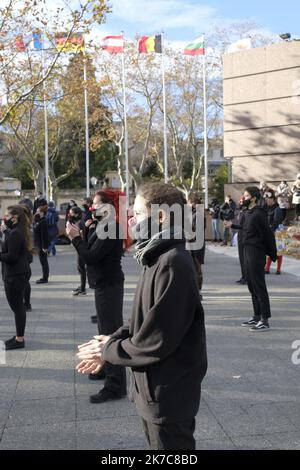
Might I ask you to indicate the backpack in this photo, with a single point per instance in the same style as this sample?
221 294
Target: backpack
50 219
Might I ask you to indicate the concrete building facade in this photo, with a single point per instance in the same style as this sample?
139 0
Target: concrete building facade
262 112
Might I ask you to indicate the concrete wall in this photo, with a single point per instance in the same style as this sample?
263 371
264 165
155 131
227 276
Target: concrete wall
262 112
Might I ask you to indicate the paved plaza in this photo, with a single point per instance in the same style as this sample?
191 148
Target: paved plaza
250 397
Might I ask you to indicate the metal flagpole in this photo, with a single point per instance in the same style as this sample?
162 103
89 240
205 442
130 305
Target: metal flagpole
164 110
125 126
87 140
205 133
46 129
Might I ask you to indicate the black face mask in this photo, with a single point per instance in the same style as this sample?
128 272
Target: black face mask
247 203
9 223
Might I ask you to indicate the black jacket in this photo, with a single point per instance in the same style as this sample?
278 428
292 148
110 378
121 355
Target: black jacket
256 231
165 343
227 210
275 216
103 259
40 231
14 256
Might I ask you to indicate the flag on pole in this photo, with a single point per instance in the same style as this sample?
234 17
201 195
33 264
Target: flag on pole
19 43
112 44
150 44
196 47
37 40
241 45
75 43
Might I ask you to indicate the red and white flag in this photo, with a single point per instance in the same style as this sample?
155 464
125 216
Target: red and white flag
112 44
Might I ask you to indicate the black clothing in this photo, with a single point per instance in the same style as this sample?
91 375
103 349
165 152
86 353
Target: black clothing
14 254
255 261
27 293
40 230
227 210
105 275
165 343
275 216
102 257
256 231
215 211
240 221
15 272
170 436
43 257
82 272
14 290
242 259
39 202
258 241
41 240
109 307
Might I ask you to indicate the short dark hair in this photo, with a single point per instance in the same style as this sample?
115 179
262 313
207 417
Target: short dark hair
254 192
160 193
76 210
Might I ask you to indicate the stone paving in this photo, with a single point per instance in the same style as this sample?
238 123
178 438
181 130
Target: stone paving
250 396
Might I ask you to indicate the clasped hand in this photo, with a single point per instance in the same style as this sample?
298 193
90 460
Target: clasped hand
91 355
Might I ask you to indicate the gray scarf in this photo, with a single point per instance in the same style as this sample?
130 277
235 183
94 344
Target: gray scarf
147 248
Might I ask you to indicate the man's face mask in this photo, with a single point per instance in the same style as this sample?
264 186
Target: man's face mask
143 230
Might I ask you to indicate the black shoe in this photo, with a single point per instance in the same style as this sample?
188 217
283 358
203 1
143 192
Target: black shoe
99 376
251 322
94 319
104 395
41 281
241 281
278 272
267 272
79 292
14 344
28 308
76 290
260 326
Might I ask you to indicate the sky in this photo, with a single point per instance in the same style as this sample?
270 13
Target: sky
185 19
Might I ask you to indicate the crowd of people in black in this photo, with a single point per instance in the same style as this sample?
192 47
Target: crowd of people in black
164 344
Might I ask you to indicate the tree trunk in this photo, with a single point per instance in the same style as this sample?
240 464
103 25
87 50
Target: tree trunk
39 177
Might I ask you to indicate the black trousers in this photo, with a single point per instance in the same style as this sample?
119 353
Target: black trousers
82 271
14 291
44 262
242 260
170 436
109 307
27 292
255 260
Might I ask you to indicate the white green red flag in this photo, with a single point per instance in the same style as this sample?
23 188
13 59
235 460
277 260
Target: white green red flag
196 47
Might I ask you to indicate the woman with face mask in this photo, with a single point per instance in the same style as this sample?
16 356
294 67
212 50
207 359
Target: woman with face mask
102 251
41 241
15 268
259 242
164 345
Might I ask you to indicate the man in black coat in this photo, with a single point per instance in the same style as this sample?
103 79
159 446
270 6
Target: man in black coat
258 241
165 342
